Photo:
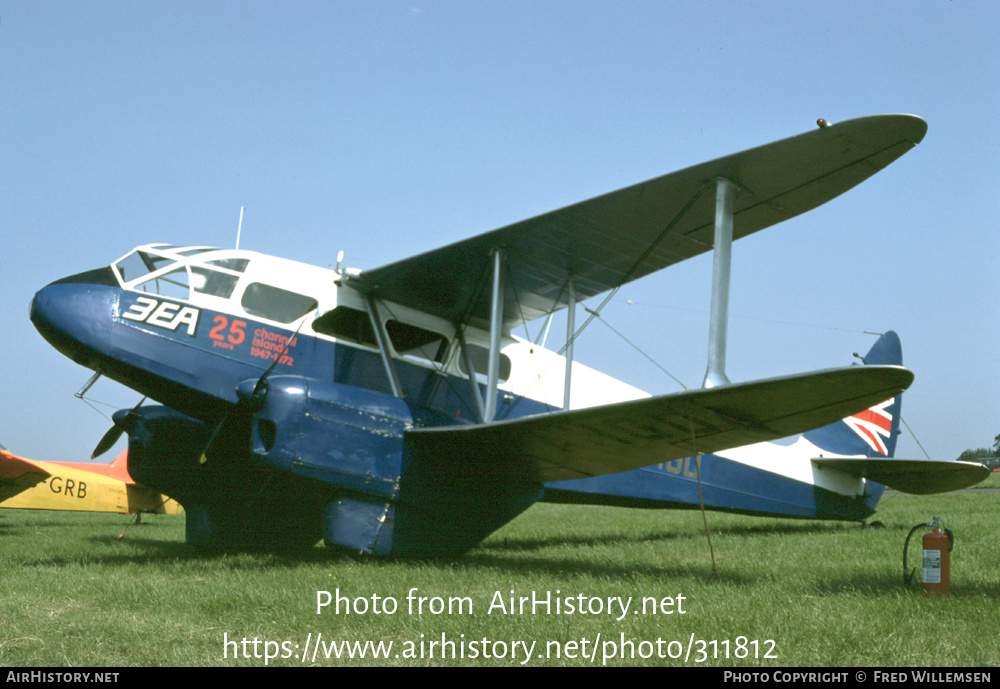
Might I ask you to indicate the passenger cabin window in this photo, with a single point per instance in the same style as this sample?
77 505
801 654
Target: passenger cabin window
409 340
353 325
275 303
345 323
481 359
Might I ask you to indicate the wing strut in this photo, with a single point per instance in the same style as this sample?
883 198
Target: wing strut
383 346
496 327
471 367
570 338
725 192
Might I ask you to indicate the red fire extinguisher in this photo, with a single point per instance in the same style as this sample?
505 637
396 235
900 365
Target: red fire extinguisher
935 576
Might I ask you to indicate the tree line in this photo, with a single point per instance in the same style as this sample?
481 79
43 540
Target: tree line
984 455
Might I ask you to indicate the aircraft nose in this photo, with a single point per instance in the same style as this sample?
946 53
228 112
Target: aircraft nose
74 318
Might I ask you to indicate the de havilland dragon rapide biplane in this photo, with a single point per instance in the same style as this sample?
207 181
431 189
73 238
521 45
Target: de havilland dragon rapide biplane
393 411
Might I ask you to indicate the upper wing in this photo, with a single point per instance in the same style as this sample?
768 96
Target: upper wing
917 476
612 239
619 437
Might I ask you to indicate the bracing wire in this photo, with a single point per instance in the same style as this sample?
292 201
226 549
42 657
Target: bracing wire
636 348
701 500
915 439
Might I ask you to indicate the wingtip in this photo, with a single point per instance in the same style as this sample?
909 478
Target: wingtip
906 127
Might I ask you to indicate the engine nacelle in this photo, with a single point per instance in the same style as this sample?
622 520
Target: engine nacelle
341 435
391 498
229 503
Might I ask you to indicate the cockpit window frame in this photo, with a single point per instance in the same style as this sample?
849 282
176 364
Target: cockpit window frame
165 285
151 262
144 269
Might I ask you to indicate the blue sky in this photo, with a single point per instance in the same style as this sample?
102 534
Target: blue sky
388 128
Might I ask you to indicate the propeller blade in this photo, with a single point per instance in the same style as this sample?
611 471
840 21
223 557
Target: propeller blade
208 446
109 439
114 433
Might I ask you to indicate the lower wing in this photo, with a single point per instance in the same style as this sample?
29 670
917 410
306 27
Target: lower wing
620 437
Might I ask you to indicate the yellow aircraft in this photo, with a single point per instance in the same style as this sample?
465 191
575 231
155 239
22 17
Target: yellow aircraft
74 486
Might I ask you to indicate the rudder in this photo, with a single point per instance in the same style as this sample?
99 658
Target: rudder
872 432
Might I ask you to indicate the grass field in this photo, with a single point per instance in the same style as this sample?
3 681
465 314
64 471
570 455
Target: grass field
786 593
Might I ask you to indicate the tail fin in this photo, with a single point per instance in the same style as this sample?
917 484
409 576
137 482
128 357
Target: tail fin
118 469
872 432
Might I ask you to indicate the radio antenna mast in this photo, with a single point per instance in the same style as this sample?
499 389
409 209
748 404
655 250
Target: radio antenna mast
239 227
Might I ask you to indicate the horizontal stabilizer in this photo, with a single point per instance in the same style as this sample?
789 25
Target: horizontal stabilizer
916 476
18 474
13 467
629 435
